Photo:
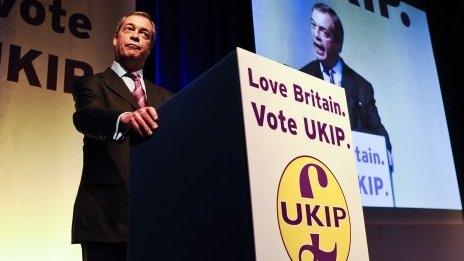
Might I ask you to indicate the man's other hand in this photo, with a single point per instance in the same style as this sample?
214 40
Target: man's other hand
142 121
390 161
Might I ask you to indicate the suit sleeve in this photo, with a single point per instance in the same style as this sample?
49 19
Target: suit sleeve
91 117
370 115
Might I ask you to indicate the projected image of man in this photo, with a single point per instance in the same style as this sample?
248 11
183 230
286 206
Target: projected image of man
327 38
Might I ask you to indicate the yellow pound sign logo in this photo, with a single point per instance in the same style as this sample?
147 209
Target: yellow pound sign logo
314 221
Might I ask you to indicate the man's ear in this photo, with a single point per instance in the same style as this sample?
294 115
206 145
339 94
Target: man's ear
114 41
340 47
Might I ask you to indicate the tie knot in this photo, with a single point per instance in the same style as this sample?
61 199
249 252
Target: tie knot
329 71
133 75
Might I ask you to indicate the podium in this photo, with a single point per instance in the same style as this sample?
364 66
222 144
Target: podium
193 195
189 191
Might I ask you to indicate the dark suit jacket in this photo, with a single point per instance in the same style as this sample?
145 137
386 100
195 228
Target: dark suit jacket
364 116
100 210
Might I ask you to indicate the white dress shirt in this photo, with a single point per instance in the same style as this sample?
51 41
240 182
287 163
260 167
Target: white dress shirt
123 73
337 71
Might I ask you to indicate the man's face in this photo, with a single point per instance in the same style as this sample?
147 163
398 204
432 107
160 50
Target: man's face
132 42
325 46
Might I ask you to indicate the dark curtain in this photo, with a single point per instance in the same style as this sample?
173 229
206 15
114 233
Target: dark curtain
194 35
445 21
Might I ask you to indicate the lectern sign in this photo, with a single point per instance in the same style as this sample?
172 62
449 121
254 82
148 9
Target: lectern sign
313 215
304 189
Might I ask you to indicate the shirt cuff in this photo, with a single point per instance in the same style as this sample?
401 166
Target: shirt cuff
121 129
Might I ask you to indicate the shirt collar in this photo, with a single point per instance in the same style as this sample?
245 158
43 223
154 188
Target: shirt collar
337 68
121 71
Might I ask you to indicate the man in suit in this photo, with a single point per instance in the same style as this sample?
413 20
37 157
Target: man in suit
113 109
327 37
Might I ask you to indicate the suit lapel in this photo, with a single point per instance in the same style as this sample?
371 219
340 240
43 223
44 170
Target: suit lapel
317 71
153 97
347 81
115 83
313 69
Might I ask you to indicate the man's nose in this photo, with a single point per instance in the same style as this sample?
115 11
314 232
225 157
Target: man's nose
317 33
134 36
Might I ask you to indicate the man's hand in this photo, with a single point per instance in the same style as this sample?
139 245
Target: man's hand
390 161
142 121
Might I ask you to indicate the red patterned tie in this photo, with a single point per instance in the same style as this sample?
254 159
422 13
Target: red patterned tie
138 92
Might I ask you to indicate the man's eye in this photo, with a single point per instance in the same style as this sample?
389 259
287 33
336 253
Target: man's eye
128 29
145 35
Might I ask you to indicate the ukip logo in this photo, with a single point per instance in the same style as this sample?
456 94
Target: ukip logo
313 215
